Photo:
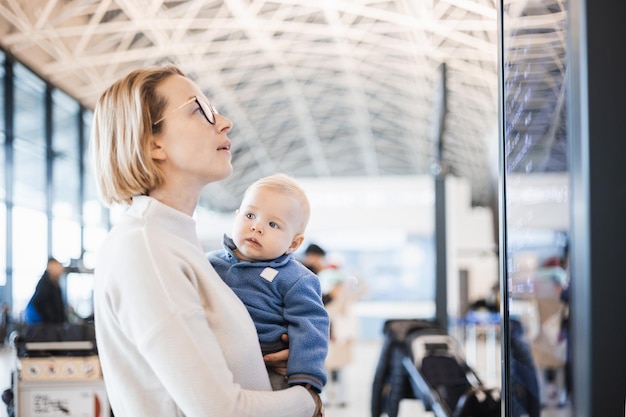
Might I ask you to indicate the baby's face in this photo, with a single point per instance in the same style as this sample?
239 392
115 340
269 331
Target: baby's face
267 225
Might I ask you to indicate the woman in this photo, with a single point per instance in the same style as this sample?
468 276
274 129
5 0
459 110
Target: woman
173 339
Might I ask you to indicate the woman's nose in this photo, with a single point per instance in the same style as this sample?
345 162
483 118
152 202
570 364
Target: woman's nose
223 124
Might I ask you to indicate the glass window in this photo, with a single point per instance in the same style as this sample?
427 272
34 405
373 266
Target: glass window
30 235
30 252
66 168
3 239
3 235
73 223
2 131
29 144
66 241
95 215
536 208
80 293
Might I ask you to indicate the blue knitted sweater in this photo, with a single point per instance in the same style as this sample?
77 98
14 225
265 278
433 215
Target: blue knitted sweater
283 297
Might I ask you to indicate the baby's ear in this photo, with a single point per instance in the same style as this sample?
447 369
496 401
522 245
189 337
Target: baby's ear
295 243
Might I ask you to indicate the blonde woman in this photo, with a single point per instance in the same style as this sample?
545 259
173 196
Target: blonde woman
173 339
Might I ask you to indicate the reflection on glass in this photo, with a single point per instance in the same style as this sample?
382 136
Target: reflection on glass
536 207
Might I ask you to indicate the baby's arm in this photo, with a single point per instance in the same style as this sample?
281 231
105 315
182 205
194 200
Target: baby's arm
308 329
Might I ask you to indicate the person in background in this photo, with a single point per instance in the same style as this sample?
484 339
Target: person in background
47 305
315 259
282 296
172 338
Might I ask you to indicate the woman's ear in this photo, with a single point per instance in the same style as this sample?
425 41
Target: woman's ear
157 152
295 243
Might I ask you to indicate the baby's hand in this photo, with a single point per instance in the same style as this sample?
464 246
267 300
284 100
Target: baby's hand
277 361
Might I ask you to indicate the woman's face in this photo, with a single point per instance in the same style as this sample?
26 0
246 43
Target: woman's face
191 151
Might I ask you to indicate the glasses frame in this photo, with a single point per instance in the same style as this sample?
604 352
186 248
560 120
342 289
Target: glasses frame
200 103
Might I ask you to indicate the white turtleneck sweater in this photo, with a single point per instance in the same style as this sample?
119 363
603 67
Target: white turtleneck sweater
173 339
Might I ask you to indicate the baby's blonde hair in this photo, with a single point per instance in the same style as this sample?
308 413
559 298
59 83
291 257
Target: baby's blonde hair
121 132
288 186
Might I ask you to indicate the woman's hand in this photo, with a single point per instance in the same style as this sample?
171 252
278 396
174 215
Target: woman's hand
277 361
319 406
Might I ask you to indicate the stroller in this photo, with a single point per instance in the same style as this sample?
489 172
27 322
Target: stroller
442 380
391 382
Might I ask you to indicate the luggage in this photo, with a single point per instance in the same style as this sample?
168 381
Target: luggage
66 339
57 372
391 383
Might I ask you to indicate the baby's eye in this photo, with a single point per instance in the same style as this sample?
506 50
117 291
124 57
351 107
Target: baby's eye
250 216
274 225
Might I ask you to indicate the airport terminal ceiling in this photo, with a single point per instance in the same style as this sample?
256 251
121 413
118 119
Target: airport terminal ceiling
321 88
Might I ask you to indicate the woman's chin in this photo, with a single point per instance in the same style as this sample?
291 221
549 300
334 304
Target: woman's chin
222 174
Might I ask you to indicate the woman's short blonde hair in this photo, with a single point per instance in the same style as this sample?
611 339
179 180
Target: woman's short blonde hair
288 186
121 132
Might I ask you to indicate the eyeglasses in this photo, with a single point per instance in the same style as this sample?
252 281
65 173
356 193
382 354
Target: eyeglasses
207 109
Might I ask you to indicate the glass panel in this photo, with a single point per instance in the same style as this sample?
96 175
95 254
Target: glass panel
3 240
66 241
536 209
95 215
66 168
29 253
3 235
2 134
30 235
80 294
29 144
